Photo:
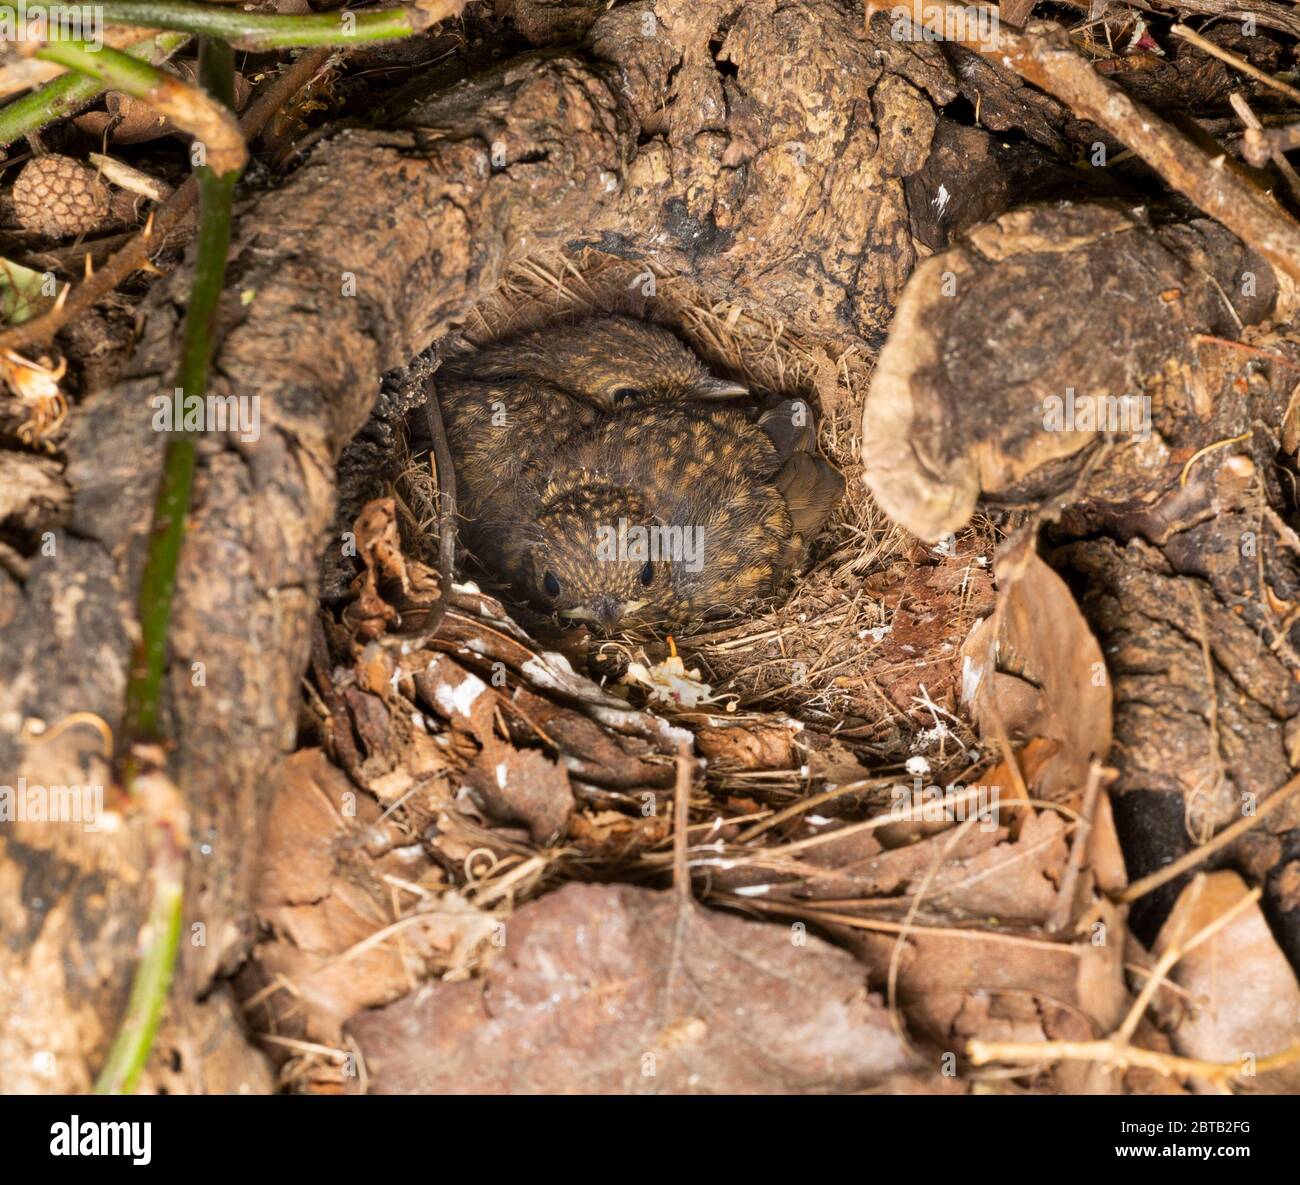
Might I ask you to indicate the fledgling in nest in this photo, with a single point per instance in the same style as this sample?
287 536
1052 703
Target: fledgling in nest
603 360
597 475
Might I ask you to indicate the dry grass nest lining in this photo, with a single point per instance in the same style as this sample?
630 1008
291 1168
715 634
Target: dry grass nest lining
865 645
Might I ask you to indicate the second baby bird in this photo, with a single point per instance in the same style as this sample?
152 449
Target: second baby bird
598 475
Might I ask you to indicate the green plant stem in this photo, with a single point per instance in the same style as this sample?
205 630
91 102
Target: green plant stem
69 92
189 108
109 67
217 70
250 30
161 939
158 582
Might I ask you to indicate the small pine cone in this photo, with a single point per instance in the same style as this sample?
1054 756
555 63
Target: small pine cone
57 197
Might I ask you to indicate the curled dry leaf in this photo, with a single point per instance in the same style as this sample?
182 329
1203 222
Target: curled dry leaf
458 696
597 757
523 786
748 747
379 547
515 785
129 120
609 833
1034 670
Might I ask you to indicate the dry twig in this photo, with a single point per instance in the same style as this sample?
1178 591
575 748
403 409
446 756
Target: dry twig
1199 855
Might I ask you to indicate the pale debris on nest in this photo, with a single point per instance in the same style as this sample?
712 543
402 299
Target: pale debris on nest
672 683
941 733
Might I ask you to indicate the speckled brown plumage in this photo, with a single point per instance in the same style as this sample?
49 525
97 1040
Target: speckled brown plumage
602 360
658 506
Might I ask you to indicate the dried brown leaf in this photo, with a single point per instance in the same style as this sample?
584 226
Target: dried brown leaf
1034 669
1245 996
584 998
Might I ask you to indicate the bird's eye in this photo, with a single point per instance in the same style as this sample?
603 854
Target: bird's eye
648 573
627 393
551 585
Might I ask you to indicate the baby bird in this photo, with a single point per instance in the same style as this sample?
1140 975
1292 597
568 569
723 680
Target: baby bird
655 506
602 360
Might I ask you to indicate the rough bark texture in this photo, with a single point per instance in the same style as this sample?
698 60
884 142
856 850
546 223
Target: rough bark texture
784 133
1045 302
1190 588
446 222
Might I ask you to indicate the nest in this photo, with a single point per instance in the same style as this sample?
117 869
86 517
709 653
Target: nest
509 858
863 644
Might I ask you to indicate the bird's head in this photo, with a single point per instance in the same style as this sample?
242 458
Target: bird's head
612 360
590 557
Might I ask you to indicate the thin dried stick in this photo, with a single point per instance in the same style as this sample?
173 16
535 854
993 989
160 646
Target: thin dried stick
807 804
1198 855
682 814
1119 1055
1063 908
894 929
1259 144
1251 120
446 475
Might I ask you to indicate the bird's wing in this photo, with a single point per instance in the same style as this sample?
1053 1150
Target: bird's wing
811 489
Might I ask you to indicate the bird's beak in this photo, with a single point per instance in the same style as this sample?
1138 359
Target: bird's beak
604 612
711 388
607 612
